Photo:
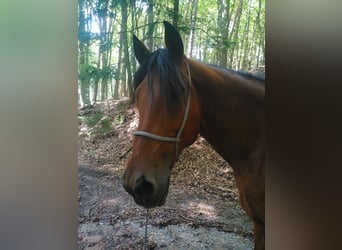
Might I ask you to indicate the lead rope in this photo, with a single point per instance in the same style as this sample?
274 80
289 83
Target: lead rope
146 223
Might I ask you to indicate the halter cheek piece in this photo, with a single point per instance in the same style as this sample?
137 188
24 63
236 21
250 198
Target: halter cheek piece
177 138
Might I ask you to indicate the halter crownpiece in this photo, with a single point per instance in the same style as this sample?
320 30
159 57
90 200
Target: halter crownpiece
177 138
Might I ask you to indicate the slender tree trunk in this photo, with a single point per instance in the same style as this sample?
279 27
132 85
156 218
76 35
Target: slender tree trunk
119 67
104 82
128 70
134 25
84 84
199 35
262 38
103 50
96 86
192 28
187 19
97 78
244 61
109 49
205 52
150 21
175 13
223 25
83 47
234 34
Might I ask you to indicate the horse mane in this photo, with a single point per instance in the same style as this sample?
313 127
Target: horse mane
259 78
172 81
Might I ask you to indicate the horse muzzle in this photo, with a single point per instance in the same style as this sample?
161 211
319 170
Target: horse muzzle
145 192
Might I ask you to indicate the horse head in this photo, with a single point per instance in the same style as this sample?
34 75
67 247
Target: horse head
169 118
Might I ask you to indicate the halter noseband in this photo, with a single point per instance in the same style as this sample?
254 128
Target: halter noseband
177 138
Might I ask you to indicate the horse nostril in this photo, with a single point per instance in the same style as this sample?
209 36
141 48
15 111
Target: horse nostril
143 188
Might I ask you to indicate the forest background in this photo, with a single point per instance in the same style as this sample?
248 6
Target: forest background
227 33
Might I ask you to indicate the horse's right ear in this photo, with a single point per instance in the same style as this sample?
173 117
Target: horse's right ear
173 42
140 50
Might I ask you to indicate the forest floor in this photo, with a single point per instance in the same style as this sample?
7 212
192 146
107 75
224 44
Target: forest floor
202 210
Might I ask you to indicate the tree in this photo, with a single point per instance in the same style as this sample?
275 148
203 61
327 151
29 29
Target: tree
150 20
223 27
82 59
192 27
126 59
175 13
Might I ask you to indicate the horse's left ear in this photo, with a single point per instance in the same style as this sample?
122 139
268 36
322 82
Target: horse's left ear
140 50
173 42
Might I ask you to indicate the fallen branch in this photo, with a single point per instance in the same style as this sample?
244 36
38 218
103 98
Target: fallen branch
125 153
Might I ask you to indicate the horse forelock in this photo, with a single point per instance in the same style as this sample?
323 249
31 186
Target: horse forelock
172 83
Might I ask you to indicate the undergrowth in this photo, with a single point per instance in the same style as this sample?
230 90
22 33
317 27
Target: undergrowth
95 125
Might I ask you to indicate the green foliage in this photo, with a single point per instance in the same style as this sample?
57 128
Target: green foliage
105 125
98 124
93 119
87 37
87 72
108 73
184 29
90 72
119 119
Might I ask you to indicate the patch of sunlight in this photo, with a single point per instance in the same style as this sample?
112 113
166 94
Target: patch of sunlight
133 124
198 143
84 130
111 202
203 209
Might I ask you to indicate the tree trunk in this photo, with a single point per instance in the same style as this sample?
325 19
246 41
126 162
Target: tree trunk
192 28
175 13
97 78
244 61
128 70
150 21
96 86
223 26
134 20
119 68
234 34
83 57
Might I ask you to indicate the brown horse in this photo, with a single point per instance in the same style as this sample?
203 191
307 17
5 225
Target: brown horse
179 98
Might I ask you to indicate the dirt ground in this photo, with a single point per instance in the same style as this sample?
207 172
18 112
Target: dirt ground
202 209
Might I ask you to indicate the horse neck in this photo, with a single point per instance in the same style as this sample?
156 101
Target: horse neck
232 113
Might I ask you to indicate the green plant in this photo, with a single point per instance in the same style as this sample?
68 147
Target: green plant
119 119
105 125
93 119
